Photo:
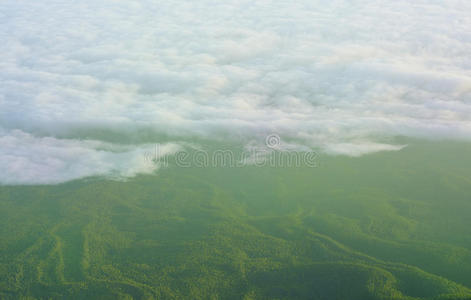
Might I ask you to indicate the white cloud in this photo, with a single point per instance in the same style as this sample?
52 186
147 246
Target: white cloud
359 149
25 159
341 76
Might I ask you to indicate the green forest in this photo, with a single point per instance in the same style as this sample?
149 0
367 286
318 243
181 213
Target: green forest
390 225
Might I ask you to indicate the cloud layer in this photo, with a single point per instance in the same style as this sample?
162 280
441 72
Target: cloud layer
25 159
340 76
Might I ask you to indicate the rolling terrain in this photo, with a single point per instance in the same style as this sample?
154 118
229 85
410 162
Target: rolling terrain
392 225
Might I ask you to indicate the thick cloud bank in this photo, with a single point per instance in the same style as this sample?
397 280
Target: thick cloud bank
340 76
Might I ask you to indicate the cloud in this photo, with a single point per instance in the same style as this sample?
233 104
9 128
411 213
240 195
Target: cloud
25 159
359 149
344 77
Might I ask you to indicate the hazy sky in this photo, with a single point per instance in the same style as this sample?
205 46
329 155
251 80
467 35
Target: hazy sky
342 77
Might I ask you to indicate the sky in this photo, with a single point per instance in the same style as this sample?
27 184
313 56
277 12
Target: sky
341 77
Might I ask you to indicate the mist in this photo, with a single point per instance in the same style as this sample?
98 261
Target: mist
340 77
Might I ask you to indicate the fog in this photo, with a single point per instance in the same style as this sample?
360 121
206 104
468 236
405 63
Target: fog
340 77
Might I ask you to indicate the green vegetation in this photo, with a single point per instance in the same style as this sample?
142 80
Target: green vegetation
385 226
